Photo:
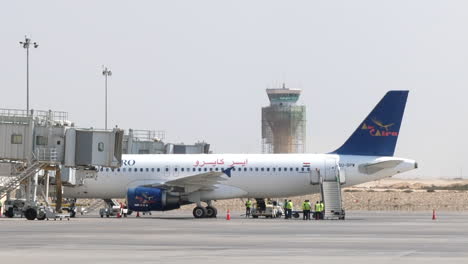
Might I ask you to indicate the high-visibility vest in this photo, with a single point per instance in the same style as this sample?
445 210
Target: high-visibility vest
306 206
322 207
289 205
248 204
317 207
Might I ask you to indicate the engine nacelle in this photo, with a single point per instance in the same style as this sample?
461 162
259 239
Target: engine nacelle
151 199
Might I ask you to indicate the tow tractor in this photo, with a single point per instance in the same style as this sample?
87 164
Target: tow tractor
268 209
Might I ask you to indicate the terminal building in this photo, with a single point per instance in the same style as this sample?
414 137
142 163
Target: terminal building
283 122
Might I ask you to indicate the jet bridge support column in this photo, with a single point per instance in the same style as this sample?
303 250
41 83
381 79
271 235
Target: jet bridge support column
58 190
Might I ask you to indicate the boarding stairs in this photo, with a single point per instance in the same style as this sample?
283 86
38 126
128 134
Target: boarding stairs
331 197
11 183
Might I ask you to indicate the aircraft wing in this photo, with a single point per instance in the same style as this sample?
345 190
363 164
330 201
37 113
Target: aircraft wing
374 167
198 182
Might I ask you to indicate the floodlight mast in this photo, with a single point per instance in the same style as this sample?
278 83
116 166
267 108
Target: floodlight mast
106 72
26 44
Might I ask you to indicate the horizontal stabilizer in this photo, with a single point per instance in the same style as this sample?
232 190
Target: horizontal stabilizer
374 167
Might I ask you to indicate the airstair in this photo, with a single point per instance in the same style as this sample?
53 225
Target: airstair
331 197
11 183
330 179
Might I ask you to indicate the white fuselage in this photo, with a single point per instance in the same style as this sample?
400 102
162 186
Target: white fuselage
254 175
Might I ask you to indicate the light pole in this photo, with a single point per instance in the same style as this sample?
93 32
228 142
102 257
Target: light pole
26 43
106 72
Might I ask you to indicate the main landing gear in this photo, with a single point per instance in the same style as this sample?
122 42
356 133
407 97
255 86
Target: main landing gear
205 212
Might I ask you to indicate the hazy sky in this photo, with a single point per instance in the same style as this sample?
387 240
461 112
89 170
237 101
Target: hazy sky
199 69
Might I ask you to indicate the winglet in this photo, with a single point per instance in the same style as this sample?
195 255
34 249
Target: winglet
228 171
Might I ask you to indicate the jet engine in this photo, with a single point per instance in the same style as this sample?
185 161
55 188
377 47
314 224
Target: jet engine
151 199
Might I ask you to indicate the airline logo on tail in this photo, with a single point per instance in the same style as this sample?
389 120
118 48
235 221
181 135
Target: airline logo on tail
380 129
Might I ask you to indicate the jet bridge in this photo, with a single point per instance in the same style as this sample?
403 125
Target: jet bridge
42 141
330 181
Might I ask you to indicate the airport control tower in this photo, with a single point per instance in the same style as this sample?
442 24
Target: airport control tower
283 122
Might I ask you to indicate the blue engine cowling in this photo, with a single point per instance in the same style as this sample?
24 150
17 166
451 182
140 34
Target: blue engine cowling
151 199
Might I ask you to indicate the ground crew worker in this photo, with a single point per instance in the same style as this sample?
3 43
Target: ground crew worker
306 206
284 207
322 210
248 206
317 210
289 207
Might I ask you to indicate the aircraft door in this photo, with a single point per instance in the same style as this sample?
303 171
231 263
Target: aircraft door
314 176
331 170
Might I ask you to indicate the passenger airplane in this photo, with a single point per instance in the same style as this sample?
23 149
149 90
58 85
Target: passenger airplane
165 182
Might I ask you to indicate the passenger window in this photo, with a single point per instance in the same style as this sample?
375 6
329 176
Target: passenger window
182 169
193 169
211 169
141 169
175 169
152 169
279 169
261 169
147 170
302 169
205 169
274 169
256 169
268 169
233 169
102 169
297 169
167 169
290 169
112 169
135 169
245 169
308 169
124 169
216 169
251 169
118 169
158 169
107 169
199 169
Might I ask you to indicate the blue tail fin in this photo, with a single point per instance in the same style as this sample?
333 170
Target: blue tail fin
377 135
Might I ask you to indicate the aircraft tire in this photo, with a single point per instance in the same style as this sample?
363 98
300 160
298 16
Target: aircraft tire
211 212
199 212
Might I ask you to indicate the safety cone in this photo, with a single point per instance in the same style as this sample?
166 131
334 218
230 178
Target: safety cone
138 214
228 215
433 215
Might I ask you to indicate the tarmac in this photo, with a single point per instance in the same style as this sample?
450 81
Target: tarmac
175 237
